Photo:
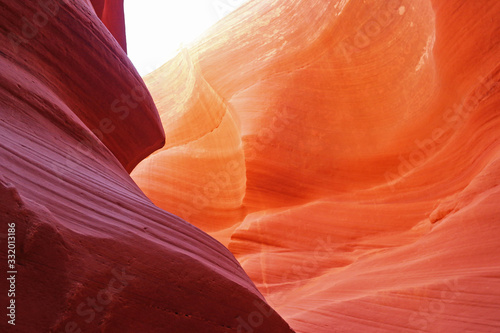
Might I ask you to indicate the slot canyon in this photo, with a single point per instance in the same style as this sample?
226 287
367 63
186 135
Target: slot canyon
304 166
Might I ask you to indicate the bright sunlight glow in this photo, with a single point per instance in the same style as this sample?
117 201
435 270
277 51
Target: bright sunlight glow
157 28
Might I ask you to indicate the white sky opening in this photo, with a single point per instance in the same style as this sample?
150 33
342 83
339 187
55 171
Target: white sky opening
156 29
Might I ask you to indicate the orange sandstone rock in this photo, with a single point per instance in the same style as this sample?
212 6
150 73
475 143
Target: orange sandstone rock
369 132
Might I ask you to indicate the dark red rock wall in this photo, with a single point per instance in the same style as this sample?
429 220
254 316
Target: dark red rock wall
93 253
50 41
112 15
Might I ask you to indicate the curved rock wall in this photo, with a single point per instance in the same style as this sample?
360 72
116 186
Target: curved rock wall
369 131
92 252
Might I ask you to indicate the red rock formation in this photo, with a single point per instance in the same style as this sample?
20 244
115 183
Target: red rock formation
31 30
369 131
93 254
112 15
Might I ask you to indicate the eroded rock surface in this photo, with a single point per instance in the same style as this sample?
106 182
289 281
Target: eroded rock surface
93 253
347 153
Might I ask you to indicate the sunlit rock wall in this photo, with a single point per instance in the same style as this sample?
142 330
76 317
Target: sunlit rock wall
347 152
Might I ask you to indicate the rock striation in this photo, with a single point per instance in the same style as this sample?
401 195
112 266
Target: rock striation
92 252
347 153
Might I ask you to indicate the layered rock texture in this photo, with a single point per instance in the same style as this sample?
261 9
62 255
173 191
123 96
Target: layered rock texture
348 154
92 252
